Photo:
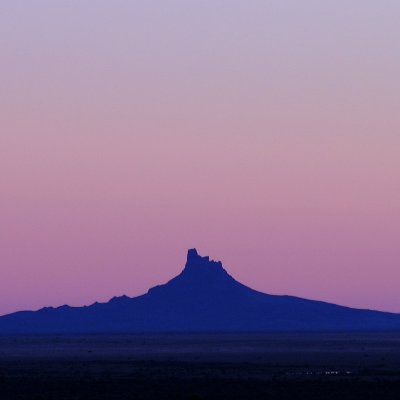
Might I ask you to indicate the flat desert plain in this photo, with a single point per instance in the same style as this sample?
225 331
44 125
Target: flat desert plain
201 366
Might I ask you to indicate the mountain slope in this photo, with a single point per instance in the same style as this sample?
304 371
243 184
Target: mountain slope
203 297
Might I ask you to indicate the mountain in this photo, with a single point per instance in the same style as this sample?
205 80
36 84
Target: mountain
203 297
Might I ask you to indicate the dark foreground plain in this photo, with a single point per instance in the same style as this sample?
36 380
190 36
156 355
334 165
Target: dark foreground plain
201 366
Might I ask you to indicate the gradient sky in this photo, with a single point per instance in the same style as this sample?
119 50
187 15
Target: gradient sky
264 133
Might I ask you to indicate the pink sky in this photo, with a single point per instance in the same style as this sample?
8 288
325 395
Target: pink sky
266 134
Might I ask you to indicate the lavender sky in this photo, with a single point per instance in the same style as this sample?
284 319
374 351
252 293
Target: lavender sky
264 133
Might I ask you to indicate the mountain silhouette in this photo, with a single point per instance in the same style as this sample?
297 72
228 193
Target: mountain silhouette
203 297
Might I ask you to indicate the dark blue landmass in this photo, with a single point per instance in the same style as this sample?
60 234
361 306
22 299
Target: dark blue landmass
202 298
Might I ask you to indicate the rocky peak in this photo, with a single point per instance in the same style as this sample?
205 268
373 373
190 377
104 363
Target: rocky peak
195 262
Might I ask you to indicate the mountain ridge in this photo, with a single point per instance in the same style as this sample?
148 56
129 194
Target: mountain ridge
203 297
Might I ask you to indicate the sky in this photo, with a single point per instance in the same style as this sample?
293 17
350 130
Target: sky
264 133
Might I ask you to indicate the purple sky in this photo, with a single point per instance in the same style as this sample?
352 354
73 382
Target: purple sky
264 133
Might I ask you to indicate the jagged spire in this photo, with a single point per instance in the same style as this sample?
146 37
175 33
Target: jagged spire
193 258
196 262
